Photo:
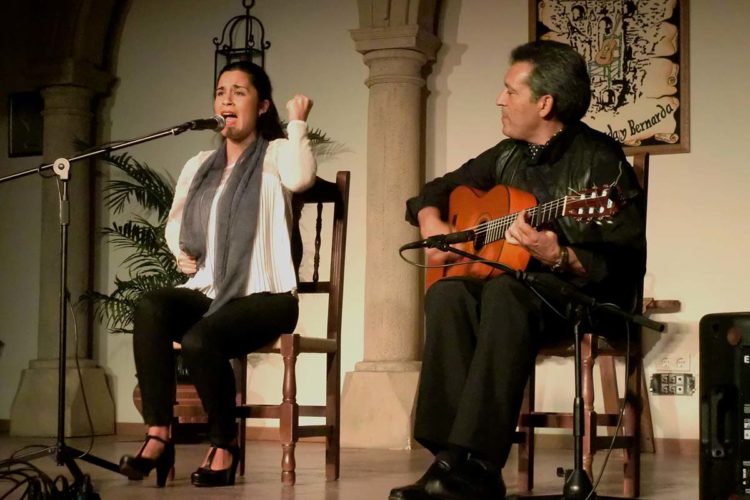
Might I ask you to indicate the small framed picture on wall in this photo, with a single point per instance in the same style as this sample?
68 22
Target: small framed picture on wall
25 124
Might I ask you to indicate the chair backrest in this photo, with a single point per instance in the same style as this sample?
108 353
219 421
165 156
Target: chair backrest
640 165
321 193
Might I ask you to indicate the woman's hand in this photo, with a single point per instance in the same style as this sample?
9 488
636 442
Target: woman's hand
186 264
298 107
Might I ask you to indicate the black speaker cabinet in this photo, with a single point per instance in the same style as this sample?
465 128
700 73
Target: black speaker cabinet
725 406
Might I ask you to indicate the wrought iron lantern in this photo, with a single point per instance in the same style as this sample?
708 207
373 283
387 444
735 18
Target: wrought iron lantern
243 38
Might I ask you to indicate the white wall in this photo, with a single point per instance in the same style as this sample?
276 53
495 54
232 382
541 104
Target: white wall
697 211
698 206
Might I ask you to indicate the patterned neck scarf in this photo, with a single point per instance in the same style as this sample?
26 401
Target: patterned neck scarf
535 150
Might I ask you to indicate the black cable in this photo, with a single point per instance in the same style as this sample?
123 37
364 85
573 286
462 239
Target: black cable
40 485
92 436
619 417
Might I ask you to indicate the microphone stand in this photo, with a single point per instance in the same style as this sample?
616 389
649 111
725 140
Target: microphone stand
64 454
578 485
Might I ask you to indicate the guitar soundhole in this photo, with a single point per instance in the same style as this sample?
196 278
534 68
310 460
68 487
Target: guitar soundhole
479 241
480 237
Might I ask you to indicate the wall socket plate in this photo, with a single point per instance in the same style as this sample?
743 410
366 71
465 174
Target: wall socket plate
680 362
672 384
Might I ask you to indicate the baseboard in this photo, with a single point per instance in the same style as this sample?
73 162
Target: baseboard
663 446
130 429
252 433
671 446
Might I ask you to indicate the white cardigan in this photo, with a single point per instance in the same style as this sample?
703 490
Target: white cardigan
289 166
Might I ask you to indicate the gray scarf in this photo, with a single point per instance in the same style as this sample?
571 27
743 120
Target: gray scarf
236 218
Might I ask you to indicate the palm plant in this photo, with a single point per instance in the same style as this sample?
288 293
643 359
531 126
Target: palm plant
150 264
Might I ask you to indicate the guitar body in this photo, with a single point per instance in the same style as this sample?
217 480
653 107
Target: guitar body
469 207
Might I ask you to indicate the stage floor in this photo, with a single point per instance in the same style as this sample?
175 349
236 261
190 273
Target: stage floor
365 474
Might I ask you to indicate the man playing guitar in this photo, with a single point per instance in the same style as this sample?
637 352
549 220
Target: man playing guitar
482 335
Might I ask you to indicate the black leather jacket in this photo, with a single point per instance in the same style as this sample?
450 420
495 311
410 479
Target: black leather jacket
614 253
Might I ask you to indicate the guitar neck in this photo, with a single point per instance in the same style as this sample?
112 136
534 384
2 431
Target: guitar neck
494 230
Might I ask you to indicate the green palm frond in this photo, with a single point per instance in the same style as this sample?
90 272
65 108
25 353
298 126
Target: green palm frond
152 191
323 147
149 263
117 309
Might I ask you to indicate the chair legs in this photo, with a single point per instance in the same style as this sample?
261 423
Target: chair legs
589 415
631 414
631 427
289 418
629 438
525 479
333 454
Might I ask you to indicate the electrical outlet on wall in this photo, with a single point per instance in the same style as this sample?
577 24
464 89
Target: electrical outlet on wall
674 384
682 363
674 362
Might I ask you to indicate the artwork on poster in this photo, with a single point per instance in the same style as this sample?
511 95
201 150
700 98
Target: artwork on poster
637 53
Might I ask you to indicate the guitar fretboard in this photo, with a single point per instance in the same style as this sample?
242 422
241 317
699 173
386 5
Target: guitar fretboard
494 229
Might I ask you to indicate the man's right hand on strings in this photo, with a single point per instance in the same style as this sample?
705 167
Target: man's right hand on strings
430 224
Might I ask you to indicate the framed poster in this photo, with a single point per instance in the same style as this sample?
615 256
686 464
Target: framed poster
25 124
637 57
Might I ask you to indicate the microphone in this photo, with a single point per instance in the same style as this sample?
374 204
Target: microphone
216 122
440 240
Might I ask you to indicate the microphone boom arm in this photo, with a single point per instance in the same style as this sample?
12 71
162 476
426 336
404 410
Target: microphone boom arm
100 151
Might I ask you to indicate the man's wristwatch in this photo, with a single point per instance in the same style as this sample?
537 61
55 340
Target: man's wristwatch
562 262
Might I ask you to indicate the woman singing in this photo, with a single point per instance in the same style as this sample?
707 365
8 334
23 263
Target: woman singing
229 228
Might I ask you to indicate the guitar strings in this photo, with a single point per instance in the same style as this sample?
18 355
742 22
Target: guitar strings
496 228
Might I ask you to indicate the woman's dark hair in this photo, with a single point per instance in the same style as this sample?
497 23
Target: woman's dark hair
558 71
268 125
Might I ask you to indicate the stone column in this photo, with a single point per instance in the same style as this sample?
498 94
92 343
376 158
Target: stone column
379 395
67 118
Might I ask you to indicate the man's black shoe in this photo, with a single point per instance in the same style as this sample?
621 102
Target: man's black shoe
472 479
416 491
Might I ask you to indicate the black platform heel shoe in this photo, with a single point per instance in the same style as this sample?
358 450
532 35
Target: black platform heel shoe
137 467
207 477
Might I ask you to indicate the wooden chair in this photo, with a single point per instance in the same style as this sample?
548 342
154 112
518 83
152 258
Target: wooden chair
637 417
291 345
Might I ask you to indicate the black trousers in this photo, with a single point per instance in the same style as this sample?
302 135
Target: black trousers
208 343
481 341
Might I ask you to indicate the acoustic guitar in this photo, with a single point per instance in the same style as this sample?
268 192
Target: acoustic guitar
489 214
606 54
